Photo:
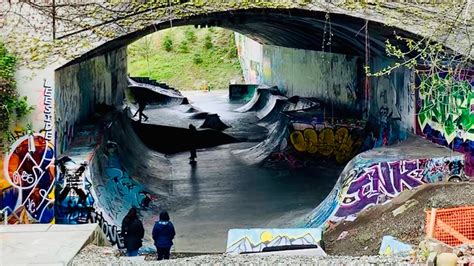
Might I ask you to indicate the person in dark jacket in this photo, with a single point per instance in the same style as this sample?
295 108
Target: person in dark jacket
193 144
133 232
163 234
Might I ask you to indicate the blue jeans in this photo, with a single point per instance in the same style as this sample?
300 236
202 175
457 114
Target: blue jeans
132 253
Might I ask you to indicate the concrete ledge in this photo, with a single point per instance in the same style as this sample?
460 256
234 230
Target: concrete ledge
49 244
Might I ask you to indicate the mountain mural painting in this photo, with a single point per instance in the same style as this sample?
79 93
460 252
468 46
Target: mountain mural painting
256 240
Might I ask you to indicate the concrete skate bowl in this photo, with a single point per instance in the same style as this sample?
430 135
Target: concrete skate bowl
154 93
121 178
300 133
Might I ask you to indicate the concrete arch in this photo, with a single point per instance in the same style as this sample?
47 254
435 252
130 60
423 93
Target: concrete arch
293 28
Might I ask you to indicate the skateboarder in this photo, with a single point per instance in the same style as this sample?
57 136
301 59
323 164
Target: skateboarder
193 144
141 101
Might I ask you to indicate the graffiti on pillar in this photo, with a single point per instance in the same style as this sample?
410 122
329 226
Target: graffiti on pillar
27 186
48 112
111 231
74 200
446 112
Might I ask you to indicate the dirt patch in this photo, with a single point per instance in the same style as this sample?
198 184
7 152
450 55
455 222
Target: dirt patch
366 232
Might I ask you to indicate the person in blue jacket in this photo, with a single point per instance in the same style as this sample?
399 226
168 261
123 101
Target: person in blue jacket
163 234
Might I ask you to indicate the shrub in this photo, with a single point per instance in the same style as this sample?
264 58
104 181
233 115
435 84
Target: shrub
208 42
183 47
197 59
168 43
190 35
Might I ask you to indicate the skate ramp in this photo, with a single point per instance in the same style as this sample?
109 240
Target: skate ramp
118 172
155 94
212 121
378 175
276 141
294 103
260 98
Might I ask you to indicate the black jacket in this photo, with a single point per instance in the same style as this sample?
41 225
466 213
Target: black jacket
133 233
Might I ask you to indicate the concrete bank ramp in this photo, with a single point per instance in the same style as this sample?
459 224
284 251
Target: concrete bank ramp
213 121
268 103
118 172
260 99
46 244
378 175
155 94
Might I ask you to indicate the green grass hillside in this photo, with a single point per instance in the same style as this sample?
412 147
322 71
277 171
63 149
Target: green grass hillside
187 58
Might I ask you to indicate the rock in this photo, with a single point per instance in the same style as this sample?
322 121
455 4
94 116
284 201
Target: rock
342 235
431 260
433 245
446 259
408 204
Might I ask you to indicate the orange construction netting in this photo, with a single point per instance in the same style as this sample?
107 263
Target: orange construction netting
454 226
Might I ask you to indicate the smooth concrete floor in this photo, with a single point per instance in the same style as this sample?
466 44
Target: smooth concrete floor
220 193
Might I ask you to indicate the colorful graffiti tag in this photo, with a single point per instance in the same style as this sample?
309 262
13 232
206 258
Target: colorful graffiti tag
335 142
93 186
28 184
364 185
446 113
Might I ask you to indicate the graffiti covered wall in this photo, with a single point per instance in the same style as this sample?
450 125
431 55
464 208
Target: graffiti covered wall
27 164
446 112
371 179
336 80
81 87
311 141
391 103
93 186
330 77
27 184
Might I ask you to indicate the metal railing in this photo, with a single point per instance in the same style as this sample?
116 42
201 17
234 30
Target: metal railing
5 214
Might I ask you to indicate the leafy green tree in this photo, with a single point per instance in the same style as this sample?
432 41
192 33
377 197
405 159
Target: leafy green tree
143 49
12 107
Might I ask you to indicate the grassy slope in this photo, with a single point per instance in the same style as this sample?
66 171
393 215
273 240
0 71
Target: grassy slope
178 68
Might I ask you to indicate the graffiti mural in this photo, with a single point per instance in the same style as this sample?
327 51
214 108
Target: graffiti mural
111 231
446 113
27 186
93 186
320 139
256 240
334 142
74 200
364 184
48 112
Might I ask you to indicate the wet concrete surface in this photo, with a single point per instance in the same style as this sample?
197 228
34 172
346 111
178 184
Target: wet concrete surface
220 193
